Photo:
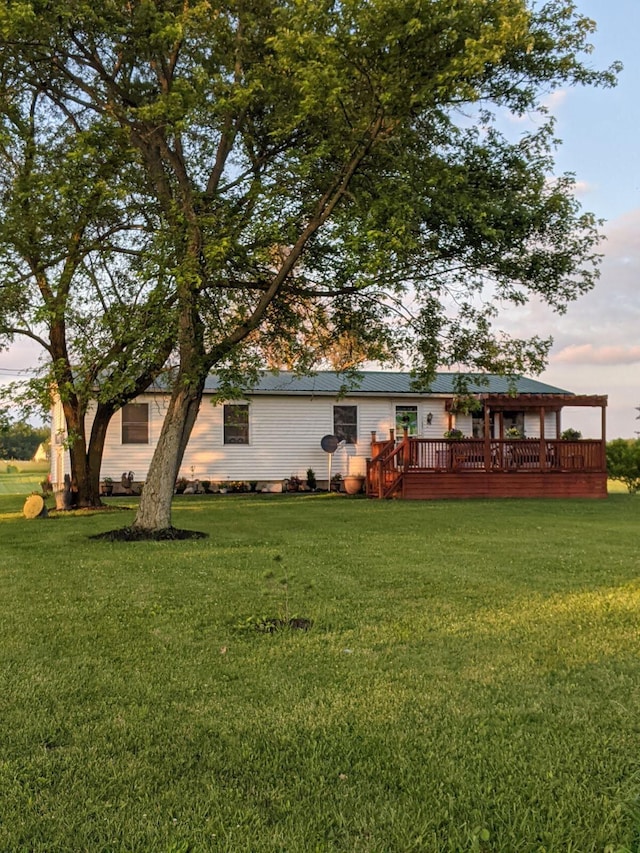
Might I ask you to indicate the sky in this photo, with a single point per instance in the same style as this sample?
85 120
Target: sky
596 346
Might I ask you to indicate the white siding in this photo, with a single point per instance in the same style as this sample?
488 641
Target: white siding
60 463
119 458
284 438
532 425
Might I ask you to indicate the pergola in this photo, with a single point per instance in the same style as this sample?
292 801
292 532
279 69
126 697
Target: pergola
542 403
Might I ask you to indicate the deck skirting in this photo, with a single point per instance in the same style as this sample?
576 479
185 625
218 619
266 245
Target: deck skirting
430 485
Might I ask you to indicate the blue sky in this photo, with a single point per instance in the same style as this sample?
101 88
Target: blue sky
597 342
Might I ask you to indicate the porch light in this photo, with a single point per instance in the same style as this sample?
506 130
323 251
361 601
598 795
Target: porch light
429 417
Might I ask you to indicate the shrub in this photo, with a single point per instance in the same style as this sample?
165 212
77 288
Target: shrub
571 434
456 434
514 432
623 462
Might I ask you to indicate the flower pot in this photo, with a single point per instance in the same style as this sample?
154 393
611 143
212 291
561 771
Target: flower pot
353 484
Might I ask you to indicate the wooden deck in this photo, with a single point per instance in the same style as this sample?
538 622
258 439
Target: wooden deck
419 468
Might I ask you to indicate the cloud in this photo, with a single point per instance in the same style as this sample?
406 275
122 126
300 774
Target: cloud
555 99
590 354
19 360
582 188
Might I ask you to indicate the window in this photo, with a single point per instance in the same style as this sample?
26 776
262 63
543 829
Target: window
513 420
135 423
477 425
406 416
236 423
345 423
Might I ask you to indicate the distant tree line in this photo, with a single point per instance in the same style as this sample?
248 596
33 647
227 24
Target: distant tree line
20 440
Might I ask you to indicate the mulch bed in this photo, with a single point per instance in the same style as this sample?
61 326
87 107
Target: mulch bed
138 534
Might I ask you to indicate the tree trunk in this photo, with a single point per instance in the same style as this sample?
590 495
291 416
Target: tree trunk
80 475
97 439
85 461
154 511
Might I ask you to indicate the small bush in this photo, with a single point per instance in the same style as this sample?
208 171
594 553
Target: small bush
571 434
623 462
454 433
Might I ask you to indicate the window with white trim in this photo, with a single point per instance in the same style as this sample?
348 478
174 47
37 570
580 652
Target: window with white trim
135 423
236 423
345 423
406 418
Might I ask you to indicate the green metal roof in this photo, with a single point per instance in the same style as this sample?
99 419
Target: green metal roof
385 383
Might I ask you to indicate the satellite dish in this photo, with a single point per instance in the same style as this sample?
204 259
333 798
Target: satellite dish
329 443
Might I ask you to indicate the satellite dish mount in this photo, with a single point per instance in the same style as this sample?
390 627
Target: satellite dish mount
329 443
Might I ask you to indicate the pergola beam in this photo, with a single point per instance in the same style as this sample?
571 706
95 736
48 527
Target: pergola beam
550 402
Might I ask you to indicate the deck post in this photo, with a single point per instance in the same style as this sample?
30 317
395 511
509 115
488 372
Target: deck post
406 452
487 438
543 443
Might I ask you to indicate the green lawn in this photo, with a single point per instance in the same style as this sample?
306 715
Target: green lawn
471 681
22 478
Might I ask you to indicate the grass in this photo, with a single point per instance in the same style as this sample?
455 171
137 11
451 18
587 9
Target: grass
21 478
470 682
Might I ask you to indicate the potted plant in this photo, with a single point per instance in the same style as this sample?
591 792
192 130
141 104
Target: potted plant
571 435
353 483
514 432
312 483
108 486
181 485
454 434
336 483
294 483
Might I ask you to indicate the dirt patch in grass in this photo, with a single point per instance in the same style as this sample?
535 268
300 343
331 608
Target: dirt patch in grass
271 625
138 534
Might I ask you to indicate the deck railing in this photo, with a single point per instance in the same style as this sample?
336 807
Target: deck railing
390 459
503 454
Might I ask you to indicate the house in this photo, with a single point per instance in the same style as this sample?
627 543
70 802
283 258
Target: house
386 431
42 453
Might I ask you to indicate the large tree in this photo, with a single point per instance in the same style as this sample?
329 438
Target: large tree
331 168
74 236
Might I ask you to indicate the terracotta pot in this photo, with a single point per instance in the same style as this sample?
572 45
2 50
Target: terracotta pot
353 484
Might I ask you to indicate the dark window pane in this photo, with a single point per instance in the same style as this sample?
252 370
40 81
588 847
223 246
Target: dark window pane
236 424
345 423
406 417
135 423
